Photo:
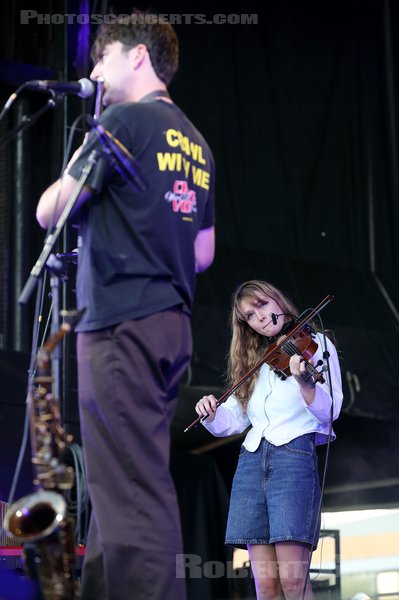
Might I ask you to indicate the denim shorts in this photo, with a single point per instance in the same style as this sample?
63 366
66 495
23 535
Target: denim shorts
275 495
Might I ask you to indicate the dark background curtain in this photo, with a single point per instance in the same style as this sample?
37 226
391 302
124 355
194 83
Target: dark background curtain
300 110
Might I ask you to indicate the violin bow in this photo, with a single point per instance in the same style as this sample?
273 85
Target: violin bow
268 354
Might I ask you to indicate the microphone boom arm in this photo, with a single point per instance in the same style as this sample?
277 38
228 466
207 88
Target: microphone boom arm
123 161
28 120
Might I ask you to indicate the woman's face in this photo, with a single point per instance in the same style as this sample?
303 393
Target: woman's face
257 312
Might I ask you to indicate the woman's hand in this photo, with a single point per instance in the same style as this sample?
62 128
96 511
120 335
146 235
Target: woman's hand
298 368
304 379
206 407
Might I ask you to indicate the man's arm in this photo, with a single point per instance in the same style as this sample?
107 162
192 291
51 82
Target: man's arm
204 249
54 199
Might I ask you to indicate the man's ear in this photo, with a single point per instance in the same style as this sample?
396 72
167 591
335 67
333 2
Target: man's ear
139 54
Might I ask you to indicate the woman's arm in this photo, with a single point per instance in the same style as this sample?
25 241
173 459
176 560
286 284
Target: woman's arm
227 419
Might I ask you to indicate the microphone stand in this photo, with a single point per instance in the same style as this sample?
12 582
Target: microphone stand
55 266
57 270
54 235
28 120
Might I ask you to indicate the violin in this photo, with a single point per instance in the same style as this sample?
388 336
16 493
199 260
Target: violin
279 353
298 341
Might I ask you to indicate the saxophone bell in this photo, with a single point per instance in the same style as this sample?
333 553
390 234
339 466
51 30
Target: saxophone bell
40 523
35 517
40 520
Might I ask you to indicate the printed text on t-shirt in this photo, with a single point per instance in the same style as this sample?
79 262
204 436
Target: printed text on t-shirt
178 161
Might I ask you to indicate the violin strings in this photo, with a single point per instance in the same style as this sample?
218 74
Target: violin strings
291 349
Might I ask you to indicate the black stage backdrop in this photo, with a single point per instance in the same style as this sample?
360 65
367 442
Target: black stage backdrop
300 109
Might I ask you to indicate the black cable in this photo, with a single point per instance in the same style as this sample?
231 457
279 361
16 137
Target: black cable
80 505
64 164
31 373
326 355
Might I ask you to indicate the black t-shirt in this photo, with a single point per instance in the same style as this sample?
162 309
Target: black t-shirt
136 248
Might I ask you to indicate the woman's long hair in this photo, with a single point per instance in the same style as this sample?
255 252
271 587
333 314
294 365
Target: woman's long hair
247 346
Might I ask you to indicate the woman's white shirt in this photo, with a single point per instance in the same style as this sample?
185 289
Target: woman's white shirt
277 410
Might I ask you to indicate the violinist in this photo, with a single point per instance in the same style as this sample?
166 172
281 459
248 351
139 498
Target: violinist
275 499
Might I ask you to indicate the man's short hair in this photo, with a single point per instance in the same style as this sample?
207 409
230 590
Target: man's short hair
139 28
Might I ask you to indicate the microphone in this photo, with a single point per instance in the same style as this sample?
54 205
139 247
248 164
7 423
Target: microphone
83 88
274 317
125 163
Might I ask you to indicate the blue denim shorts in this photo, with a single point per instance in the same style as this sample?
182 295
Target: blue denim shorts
275 495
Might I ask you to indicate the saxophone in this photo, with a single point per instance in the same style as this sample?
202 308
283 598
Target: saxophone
40 521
